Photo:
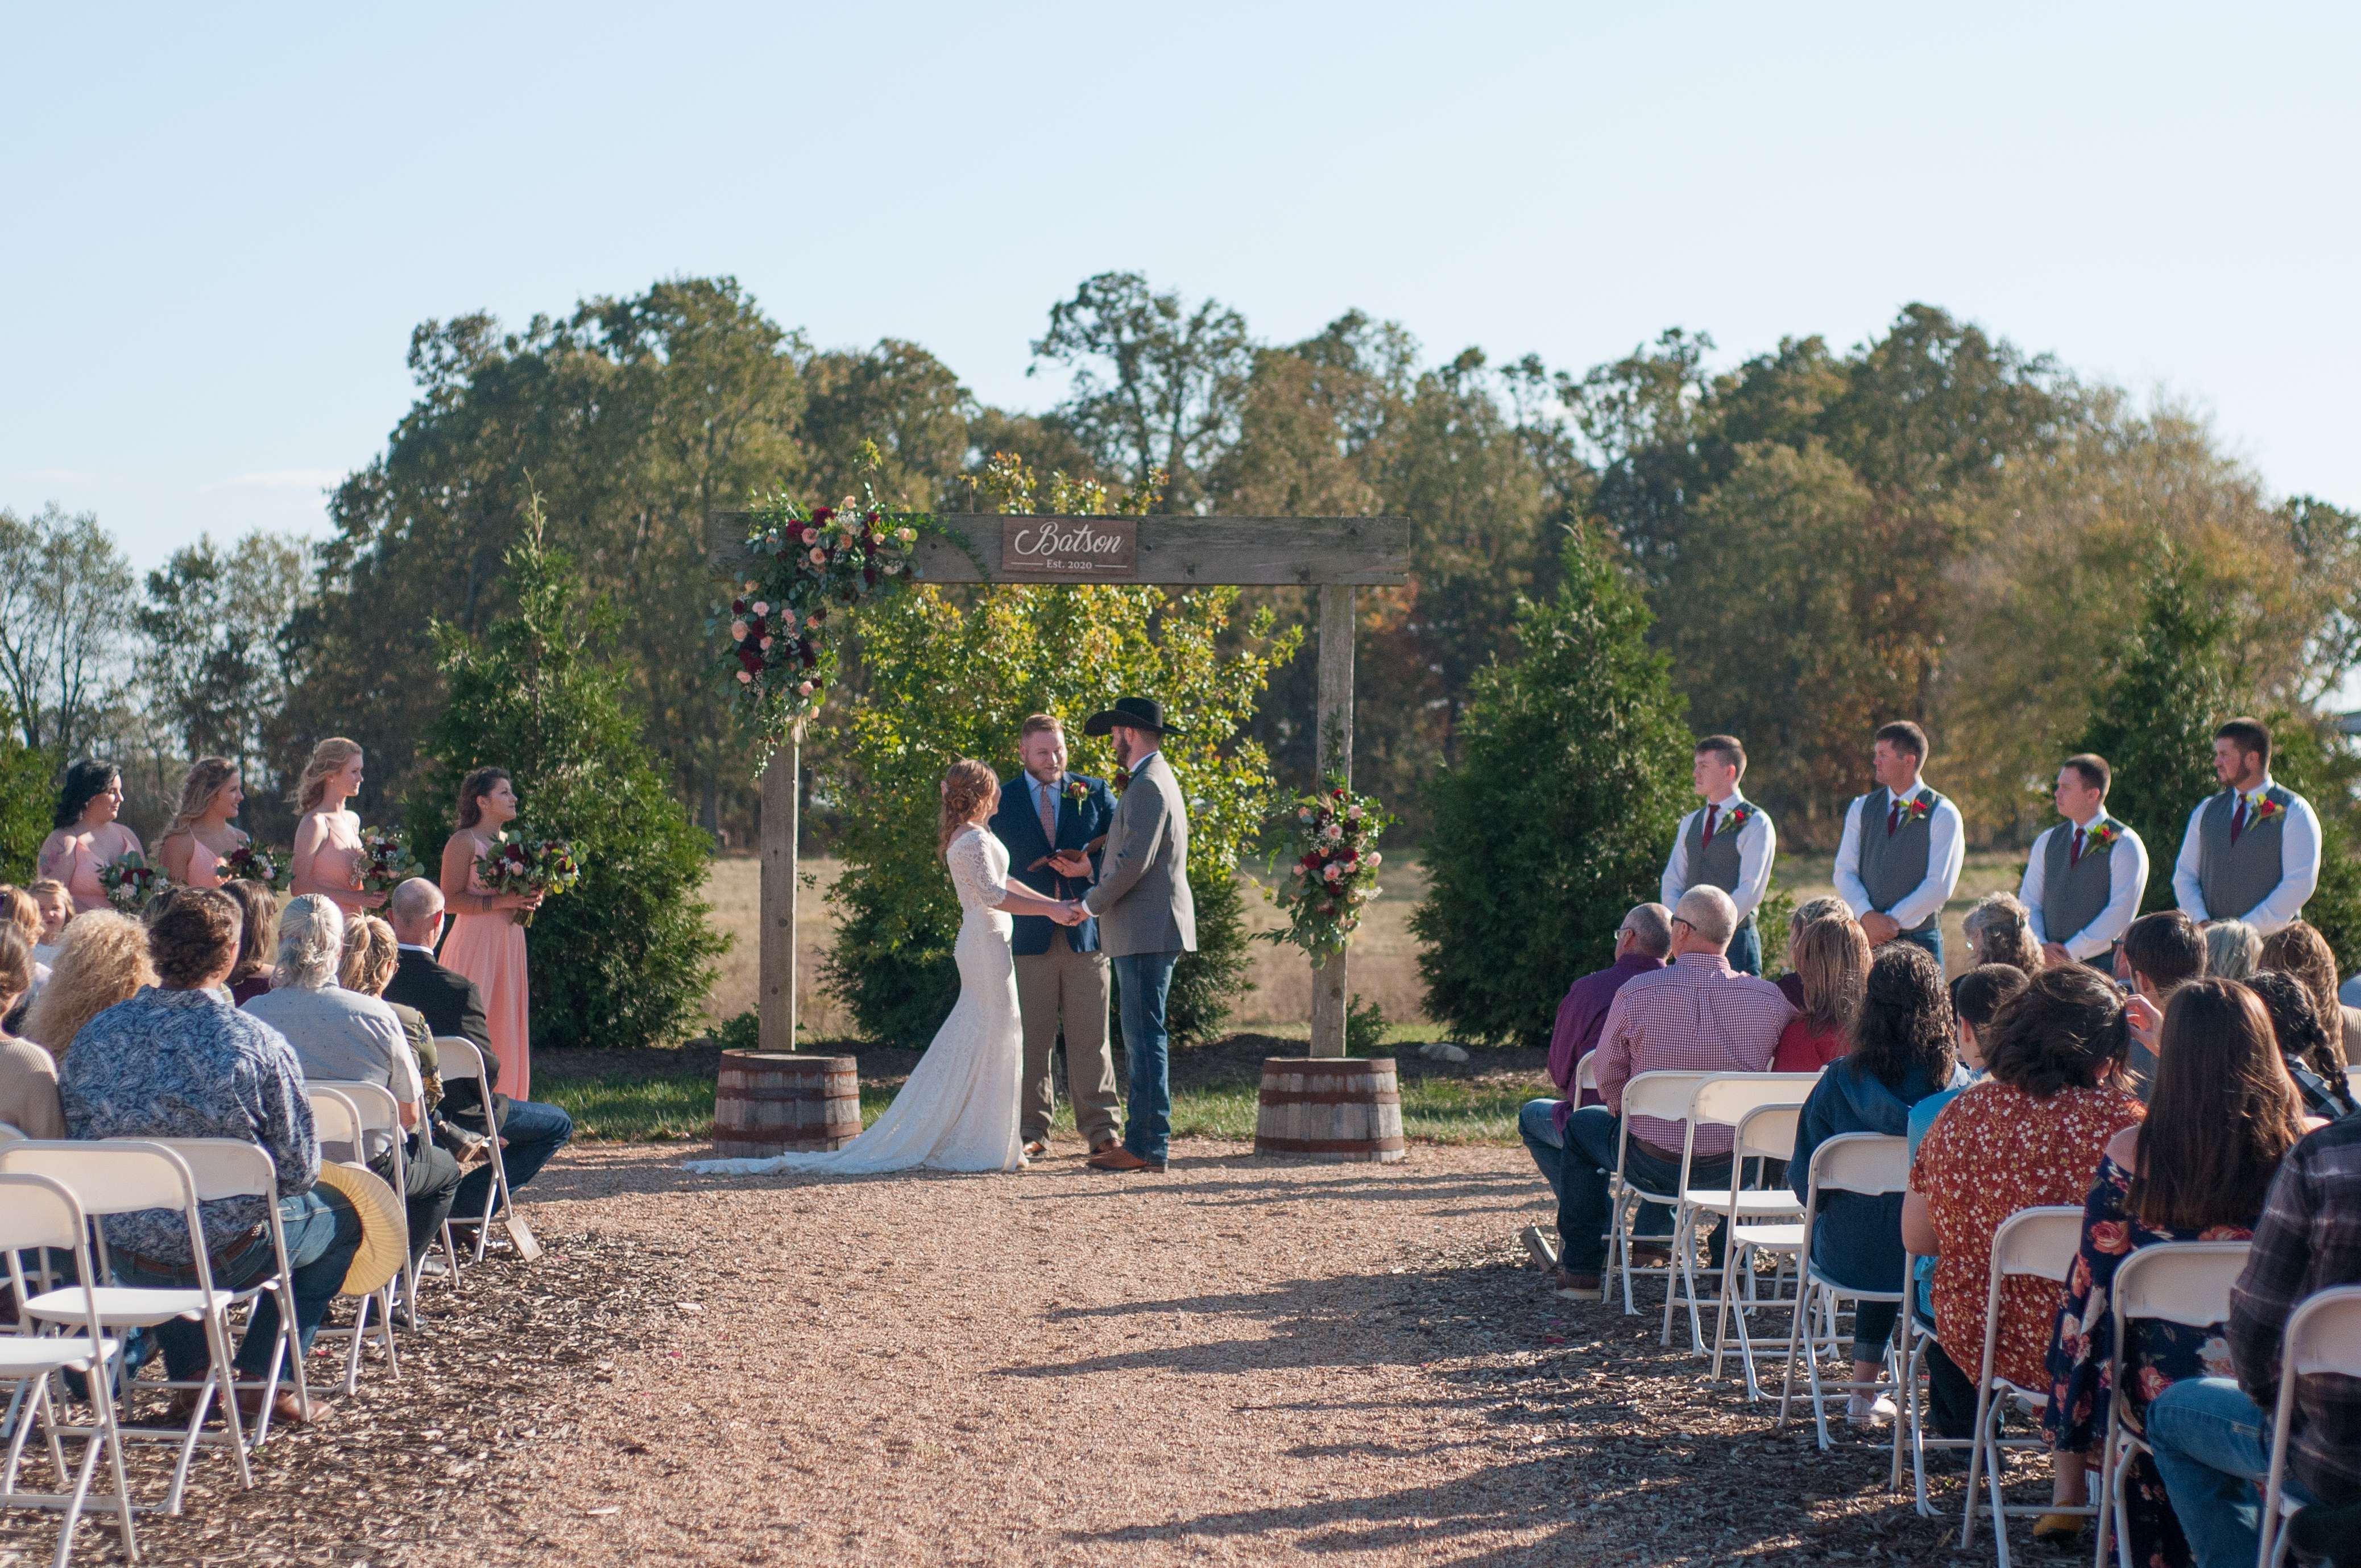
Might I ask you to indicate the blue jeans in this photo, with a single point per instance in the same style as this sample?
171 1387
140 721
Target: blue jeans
1931 938
1746 947
1583 1206
2213 1447
1143 979
1537 1125
322 1234
534 1132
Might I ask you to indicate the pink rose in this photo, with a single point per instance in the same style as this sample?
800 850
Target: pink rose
745 679
819 557
762 607
766 644
738 629
804 690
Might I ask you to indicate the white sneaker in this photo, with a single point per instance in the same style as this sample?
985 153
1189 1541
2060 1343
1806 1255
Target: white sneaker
1861 1410
1539 1246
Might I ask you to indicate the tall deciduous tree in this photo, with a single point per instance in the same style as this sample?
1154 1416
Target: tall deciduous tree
212 661
65 616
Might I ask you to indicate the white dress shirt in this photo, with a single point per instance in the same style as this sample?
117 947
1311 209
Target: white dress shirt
2126 880
1947 852
2299 868
1758 843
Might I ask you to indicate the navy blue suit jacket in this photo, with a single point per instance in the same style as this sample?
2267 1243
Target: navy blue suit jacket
1019 828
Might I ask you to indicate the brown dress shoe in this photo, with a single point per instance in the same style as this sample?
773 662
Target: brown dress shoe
1115 1156
1036 1147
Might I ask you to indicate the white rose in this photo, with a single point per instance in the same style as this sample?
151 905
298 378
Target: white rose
905 535
1374 860
1352 814
738 629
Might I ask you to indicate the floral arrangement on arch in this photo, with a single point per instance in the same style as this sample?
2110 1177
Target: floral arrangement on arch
806 568
1333 872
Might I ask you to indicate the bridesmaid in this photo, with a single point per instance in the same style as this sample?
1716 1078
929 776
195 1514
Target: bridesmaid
201 837
87 836
328 840
486 943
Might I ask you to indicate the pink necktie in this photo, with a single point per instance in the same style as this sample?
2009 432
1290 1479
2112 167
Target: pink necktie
1049 818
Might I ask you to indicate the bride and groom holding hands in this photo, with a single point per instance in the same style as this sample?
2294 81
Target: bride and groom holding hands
1100 884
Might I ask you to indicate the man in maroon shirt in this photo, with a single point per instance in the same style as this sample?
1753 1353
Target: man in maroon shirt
1641 943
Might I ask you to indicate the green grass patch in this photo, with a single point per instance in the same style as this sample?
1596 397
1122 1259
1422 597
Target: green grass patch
675 1108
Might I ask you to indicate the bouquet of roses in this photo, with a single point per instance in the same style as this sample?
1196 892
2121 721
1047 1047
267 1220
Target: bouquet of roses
385 862
249 863
131 881
523 860
1334 870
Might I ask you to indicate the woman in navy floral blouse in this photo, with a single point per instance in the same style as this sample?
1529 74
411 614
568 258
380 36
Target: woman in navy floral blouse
2222 1114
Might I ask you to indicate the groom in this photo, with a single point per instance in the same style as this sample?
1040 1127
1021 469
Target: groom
1147 919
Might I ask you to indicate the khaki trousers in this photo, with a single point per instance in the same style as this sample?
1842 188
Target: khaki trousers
1064 987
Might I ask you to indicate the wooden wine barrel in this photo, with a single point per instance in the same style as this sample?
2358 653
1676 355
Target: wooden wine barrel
1345 1108
768 1103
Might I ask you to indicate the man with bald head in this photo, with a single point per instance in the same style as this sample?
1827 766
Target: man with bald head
1697 1014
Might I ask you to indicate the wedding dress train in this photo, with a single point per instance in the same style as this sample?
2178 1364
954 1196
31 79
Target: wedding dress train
958 1111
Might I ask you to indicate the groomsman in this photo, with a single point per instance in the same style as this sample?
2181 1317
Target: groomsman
2085 878
1903 848
2251 852
1050 820
1727 843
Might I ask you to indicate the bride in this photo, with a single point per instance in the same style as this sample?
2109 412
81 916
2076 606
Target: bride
958 1109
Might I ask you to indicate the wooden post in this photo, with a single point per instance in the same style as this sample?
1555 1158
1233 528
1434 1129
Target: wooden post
777 1001
1334 747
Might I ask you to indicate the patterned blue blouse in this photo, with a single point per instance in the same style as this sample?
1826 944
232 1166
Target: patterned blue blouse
184 1064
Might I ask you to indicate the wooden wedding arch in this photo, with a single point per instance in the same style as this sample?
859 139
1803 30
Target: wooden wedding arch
1339 555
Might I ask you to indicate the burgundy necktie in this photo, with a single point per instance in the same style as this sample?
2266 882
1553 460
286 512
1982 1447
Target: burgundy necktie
1892 817
2238 819
2074 855
1712 813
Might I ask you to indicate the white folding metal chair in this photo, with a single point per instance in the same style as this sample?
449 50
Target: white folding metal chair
381 1113
2176 1282
1873 1165
1910 1420
2039 1242
461 1060
39 1213
2324 1334
1585 1076
1765 1132
342 1127
127 1177
1664 1095
1723 1101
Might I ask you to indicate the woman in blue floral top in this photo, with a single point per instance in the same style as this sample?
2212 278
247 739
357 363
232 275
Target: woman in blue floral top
2222 1114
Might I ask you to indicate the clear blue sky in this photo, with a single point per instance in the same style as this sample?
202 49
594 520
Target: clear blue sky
221 225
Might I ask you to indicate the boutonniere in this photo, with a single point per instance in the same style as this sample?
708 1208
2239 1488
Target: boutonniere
1122 780
2262 807
1918 810
2104 834
1078 792
1740 815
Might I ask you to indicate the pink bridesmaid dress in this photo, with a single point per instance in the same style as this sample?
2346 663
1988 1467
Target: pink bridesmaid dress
204 866
490 951
82 882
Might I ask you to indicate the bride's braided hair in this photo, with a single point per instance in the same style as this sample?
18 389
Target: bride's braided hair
967 784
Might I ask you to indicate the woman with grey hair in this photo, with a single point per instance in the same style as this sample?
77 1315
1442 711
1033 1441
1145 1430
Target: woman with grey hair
2000 931
341 1035
2234 949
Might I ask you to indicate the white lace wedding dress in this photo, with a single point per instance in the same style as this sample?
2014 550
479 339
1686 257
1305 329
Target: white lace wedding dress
958 1111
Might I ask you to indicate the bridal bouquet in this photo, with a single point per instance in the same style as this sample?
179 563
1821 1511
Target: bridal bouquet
131 881
522 861
1334 836
385 862
248 862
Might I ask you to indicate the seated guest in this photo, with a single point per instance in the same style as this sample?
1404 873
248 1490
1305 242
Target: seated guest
1826 907
2298 950
56 908
2234 949
2195 1171
367 964
176 1061
2210 1436
258 939
28 1077
1695 1014
339 1034
530 1130
2030 1133
2318 1071
2160 952
103 960
1831 957
1641 943
1977 998
1900 1052
20 915
2000 931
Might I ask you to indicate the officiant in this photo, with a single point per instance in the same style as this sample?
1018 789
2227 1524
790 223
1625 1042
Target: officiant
1053 824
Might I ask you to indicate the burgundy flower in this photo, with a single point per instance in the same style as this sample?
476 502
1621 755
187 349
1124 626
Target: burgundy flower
804 647
821 514
737 606
869 575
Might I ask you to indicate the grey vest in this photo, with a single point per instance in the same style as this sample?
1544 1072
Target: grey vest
2235 877
1890 867
2072 897
1715 864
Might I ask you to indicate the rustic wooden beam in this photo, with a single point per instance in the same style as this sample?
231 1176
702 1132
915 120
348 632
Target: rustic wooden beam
776 1003
1335 745
1190 551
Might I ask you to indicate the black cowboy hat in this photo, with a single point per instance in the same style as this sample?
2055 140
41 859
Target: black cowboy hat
1135 712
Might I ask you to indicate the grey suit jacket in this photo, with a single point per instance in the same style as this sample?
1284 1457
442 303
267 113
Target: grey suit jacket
1142 898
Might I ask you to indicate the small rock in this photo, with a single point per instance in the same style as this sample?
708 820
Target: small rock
1443 1050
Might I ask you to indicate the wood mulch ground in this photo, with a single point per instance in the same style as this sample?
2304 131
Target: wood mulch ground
1243 1361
